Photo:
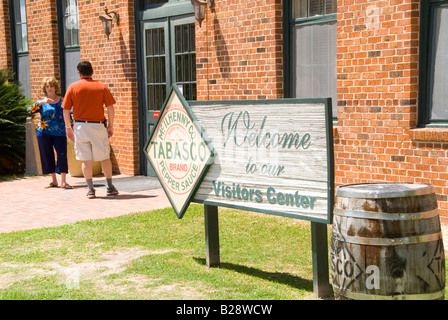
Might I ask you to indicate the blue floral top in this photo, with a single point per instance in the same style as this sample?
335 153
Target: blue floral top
51 117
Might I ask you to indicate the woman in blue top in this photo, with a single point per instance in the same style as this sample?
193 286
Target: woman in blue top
51 133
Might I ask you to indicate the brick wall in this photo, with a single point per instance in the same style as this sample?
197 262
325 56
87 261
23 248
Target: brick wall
113 59
242 59
43 43
114 63
377 68
239 51
5 37
239 56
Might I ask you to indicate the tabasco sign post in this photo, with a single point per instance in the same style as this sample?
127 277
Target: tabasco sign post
269 156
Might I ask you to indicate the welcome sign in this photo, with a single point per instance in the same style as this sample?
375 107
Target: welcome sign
272 156
269 156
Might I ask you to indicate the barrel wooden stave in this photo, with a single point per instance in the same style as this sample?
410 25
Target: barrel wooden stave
401 238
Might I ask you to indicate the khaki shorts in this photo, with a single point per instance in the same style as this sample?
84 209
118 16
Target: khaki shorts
91 141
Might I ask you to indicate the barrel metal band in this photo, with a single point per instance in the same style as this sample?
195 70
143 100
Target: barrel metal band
394 241
386 216
382 190
366 296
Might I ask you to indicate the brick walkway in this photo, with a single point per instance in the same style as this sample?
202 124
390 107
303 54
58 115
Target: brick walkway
26 204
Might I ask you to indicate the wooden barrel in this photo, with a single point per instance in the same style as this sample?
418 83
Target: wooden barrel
387 243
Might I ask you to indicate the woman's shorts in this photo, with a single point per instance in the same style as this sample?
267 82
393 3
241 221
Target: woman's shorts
91 141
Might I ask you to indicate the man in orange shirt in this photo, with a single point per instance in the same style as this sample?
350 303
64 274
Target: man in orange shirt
90 133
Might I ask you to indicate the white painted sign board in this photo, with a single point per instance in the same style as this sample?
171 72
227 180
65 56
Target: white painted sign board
272 156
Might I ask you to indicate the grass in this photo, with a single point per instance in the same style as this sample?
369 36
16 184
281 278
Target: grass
153 255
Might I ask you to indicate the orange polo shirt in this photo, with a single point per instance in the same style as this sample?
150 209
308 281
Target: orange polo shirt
88 98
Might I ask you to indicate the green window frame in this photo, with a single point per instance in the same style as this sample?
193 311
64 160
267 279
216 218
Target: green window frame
69 44
313 8
19 43
146 3
70 19
302 20
433 65
21 32
152 78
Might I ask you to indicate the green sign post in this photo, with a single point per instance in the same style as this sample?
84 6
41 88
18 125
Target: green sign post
270 156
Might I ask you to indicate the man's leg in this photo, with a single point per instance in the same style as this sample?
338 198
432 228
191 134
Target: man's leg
87 171
83 150
106 166
101 152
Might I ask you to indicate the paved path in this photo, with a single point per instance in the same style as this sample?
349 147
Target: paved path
26 204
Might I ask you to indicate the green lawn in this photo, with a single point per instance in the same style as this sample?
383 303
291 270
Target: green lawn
154 255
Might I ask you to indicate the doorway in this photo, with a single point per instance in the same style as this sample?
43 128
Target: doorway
169 57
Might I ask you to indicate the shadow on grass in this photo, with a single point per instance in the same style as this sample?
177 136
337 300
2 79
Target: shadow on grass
278 277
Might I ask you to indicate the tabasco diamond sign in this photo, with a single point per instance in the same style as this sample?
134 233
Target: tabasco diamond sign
179 152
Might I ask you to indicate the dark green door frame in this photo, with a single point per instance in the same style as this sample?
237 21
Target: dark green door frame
159 17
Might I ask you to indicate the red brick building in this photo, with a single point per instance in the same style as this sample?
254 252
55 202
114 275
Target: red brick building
381 62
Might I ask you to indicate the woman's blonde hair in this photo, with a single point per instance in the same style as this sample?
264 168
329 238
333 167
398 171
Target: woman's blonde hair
52 82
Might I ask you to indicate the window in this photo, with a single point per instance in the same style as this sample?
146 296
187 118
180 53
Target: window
153 2
71 25
21 62
20 23
142 4
433 99
185 57
310 8
69 41
312 34
155 67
